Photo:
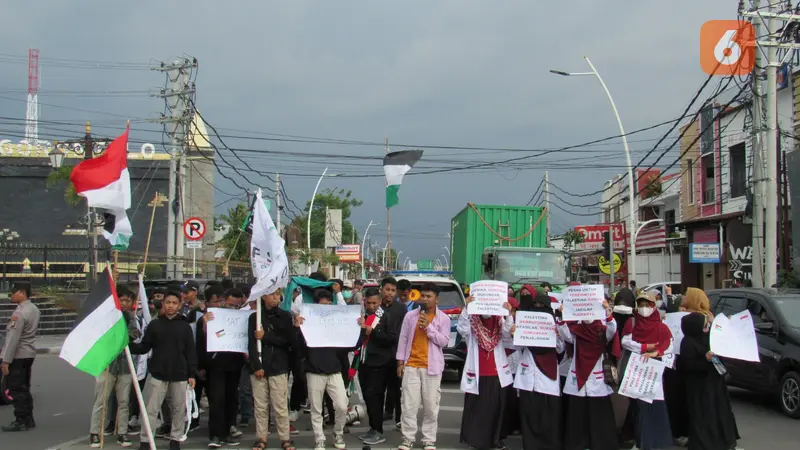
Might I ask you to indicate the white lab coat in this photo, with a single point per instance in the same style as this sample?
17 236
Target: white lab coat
595 385
469 379
530 378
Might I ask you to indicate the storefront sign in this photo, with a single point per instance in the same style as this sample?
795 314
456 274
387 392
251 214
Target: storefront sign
593 236
704 253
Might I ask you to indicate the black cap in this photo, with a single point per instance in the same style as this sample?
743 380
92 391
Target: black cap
22 286
190 285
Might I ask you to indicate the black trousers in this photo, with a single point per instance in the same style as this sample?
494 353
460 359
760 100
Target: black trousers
222 390
393 404
374 381
299 392
18 383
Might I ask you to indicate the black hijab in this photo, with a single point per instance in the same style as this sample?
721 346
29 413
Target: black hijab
539 302
695 338
625 297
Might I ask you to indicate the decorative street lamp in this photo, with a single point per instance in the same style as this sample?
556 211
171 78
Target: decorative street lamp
56 157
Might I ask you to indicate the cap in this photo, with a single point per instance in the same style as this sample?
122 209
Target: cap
649 296
348 284
190 285
24 286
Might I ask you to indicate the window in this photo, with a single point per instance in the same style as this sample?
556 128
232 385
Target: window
709 185
731 305
690 183
616 213
669 220
738 170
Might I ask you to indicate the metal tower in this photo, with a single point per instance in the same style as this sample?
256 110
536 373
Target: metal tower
32 115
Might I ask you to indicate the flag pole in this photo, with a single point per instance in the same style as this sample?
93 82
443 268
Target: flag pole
388 226
103 411
149 232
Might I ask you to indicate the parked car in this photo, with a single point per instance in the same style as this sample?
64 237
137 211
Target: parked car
776 316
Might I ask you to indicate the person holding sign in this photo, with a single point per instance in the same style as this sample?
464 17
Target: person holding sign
270 368
324 375
590 416
712 424
486 373
537 380
420 364
645 336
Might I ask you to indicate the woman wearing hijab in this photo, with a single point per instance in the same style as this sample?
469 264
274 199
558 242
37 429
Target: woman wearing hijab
590 418
486 373
712 425
646 336
538 383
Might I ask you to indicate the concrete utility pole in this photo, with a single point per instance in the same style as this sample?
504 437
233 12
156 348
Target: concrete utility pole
772 21
547 206
758 140
179 99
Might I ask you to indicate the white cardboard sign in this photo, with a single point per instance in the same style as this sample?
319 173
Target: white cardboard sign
535 329
331 325
584 302
228 331
489 296
734 338
642 378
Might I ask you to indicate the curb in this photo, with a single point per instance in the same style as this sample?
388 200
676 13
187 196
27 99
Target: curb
48 350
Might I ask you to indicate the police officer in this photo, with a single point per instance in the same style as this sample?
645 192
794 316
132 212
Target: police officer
18 354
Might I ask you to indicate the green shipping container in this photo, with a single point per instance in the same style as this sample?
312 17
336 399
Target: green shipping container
470 235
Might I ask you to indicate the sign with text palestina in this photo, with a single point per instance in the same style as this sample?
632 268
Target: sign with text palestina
535 329
489 296
584 302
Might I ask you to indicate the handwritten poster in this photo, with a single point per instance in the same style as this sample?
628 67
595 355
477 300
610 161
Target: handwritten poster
642 378
673 321
535 329
584 302
488 298
331 325
734 337
228 331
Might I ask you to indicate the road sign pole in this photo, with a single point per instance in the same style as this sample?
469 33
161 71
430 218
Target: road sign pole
194 262
611 258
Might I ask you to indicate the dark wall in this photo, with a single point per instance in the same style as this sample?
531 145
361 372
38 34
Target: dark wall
41 216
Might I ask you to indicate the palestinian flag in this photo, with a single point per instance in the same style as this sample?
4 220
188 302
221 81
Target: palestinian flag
395 165
106 184
100 333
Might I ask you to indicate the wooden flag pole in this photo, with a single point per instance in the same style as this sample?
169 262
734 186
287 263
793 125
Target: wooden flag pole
115 267
150 232
388 227
105 405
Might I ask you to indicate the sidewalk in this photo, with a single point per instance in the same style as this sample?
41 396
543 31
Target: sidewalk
49 345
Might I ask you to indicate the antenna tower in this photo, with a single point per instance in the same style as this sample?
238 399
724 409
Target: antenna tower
32 114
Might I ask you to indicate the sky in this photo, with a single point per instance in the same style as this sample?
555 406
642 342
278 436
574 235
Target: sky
468 80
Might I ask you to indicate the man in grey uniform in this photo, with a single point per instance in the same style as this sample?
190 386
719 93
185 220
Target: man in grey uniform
17 356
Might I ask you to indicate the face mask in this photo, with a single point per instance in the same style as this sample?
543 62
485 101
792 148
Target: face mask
347 295
526 298
645 311
659 303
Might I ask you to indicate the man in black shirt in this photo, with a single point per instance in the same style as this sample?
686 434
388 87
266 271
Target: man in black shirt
173 365
378 371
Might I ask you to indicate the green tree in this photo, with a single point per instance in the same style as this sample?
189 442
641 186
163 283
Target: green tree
235 242
571 239
60 177
336 198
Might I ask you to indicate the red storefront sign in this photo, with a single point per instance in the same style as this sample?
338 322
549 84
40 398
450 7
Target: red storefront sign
593 236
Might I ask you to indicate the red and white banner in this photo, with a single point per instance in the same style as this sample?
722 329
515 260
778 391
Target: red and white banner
349 253
651 236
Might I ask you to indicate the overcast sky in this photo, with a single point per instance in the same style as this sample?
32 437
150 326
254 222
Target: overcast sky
450 73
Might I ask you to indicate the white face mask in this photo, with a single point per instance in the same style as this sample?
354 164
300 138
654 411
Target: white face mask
659 303
645 311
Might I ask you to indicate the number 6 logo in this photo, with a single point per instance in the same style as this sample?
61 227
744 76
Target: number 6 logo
727 47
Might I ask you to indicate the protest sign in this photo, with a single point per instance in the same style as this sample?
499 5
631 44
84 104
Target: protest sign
673 321
642 378
331 325
488 298
558 296
584 302
228 331
535 329
734 338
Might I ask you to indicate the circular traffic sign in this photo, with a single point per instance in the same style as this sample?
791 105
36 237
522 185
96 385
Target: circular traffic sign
194 228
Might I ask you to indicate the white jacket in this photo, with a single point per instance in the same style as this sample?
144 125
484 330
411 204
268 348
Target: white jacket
595 385
469 379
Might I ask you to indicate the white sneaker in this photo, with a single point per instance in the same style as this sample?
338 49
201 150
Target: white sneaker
320 445
338 441
682 441
406 445
235 432
293 416
428 445
134 422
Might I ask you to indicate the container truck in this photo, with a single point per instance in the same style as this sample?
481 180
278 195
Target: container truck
506 243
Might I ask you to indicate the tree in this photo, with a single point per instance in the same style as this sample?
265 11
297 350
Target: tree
329 199
571 239
60 177
235 242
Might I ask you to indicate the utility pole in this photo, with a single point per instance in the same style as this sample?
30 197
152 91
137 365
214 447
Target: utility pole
547 206
388 250
278 206
772 20
91 223
757 276
179 100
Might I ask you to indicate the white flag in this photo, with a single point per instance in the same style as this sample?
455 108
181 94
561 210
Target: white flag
267 253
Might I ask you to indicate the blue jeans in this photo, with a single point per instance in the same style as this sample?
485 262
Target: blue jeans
245 395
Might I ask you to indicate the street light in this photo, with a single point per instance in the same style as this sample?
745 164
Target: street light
363 241
632 194
311 209
56 156
446 261
396 265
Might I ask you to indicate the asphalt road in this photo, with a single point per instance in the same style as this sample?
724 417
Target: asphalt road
63 399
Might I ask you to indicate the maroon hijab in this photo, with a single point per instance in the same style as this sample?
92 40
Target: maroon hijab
590 344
